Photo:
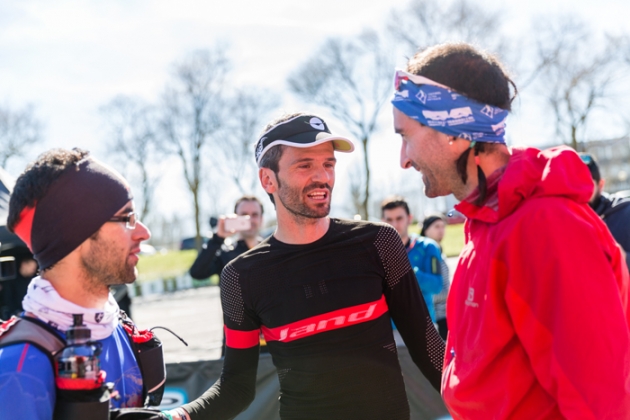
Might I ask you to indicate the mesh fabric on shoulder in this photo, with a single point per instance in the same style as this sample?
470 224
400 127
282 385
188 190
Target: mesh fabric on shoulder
232 295
393 255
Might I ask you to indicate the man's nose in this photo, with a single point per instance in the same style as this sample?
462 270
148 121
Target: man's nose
322 175
141 232
405 162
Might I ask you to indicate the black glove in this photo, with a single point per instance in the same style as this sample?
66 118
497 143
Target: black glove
136 414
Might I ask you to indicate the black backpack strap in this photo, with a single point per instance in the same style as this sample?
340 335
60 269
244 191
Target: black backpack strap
150 358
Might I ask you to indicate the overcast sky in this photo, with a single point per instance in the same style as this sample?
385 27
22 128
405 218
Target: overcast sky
68 58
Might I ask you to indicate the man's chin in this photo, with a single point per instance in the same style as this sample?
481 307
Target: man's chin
322 210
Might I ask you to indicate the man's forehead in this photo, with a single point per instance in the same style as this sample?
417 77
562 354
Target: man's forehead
396 211
324 149
249 205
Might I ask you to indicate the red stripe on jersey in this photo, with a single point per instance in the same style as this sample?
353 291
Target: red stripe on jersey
327 322
241 339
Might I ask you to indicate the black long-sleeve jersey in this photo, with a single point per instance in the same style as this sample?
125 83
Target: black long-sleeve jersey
324 309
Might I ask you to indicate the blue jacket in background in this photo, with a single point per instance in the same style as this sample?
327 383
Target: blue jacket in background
426 260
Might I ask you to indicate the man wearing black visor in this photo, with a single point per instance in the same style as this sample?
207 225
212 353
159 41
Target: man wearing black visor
323 292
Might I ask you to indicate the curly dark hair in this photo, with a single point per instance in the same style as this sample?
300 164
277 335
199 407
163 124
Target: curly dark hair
35 181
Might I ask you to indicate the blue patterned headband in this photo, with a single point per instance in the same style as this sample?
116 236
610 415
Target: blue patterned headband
441 108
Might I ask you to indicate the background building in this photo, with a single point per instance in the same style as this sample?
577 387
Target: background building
613 157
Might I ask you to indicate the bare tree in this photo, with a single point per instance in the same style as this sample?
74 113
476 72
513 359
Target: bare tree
353 80
19 131
579 74
247 114
132 126
425 22
193 107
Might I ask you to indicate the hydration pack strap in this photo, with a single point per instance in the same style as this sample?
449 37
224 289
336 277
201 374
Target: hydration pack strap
29 330
150 357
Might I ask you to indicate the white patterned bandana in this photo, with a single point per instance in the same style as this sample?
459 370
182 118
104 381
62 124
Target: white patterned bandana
44 302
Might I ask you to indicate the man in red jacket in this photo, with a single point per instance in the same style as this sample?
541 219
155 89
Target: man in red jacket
538 309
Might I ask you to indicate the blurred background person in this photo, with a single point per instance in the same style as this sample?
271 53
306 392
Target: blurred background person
424 254
13 287
614 209
217 252
434 227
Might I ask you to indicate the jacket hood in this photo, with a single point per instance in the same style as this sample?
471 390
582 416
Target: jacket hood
530 173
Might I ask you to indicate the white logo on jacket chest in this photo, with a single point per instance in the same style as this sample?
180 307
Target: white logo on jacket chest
471 298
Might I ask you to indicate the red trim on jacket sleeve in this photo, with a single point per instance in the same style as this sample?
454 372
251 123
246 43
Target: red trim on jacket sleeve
241 339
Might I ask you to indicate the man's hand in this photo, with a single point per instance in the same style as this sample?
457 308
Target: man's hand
221 232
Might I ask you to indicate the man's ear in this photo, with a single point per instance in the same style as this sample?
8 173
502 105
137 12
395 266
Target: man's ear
601 184
268 180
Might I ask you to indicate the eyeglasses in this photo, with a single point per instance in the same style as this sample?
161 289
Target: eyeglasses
401 75
130 220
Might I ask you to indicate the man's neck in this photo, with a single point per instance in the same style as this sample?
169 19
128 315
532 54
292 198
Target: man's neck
75 287
488 162
299 230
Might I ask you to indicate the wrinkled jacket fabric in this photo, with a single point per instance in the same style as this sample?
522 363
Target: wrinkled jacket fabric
537 310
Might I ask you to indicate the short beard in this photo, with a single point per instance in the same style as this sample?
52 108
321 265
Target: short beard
104 267
289 198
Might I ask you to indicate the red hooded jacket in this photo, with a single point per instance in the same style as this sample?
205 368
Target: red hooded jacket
538 309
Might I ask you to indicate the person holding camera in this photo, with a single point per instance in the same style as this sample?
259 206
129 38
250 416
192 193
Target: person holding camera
217 253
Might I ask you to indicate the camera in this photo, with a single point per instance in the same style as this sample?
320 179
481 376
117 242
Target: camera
237 223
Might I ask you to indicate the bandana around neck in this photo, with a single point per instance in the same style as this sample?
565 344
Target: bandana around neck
44 302
447 111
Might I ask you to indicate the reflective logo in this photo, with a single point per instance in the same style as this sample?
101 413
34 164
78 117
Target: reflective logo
443 115
259 149
488 111
471 298
317 124
422 97
456 116
499 128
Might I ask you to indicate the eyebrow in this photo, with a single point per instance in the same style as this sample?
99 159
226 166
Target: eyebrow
308 159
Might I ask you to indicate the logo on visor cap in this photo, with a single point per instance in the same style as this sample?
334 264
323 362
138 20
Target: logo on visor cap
317 124
301 131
